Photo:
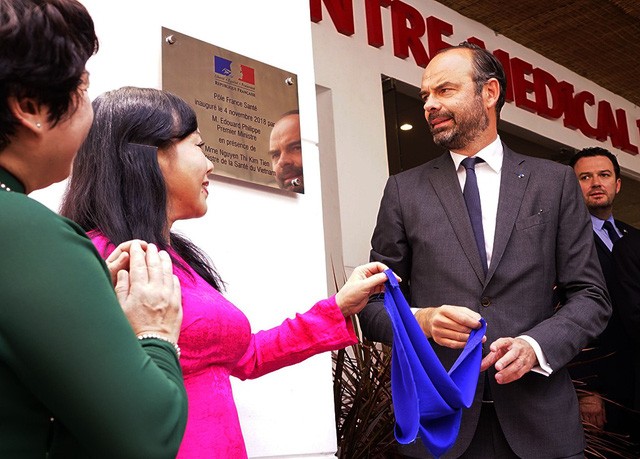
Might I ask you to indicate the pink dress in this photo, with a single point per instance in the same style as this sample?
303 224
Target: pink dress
216 343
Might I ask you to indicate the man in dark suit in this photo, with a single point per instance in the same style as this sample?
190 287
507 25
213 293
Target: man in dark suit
605 368
533 245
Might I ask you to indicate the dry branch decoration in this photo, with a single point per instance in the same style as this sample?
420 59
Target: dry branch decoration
606 445
602 444
362 396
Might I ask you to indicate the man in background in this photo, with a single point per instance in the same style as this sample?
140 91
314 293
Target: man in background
605 368
285 150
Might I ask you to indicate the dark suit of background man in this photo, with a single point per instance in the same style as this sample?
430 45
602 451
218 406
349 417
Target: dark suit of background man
609 370
626 262
537 236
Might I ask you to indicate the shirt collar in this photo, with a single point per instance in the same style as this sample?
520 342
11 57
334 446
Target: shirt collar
597 222
11 181
492 154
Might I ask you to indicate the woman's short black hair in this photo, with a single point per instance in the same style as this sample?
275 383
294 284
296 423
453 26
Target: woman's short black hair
44 47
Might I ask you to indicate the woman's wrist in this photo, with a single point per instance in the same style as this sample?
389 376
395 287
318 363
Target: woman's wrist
143 336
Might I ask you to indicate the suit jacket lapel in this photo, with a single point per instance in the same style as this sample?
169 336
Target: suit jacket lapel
623 227
513 183
447 187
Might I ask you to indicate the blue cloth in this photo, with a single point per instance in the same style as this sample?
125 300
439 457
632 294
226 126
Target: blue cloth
426 399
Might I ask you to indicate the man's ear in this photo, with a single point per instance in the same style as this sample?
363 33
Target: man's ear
491 92
31 114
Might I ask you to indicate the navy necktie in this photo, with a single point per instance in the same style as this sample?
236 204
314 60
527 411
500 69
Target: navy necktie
472 199
613 234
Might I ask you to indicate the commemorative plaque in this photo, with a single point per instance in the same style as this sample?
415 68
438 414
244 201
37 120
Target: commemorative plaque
247 110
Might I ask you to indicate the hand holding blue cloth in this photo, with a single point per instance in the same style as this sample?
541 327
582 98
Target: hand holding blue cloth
427 400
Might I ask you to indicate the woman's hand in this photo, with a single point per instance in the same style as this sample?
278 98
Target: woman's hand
365 281
119 258
149 293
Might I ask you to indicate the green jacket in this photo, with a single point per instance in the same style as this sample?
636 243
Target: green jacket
74 380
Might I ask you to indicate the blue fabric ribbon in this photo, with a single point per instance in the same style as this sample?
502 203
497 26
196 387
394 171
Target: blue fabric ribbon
427 400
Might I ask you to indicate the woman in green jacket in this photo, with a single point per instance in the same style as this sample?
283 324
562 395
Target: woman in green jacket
77 379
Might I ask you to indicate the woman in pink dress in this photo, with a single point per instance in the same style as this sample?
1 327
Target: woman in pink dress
140 170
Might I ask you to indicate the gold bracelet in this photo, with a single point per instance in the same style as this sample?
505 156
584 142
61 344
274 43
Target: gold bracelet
156 336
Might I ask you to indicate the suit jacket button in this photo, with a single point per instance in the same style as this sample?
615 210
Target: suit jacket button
485 301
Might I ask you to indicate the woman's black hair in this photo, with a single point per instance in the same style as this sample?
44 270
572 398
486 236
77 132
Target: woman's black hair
117 186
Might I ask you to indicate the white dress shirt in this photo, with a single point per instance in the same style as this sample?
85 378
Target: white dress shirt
488 177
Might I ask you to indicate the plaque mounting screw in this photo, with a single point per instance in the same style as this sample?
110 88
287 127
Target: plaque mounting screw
289 81
170 39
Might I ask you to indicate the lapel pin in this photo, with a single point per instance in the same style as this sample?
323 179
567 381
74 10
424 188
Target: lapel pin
520 175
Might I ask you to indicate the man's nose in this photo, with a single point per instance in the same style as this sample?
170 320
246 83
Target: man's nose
285 158
430 104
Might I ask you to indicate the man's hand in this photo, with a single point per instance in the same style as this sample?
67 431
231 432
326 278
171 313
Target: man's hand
448 325
592 410
513 357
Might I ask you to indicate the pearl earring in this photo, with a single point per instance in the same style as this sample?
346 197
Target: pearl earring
38 125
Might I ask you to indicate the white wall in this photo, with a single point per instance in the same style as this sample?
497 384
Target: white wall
268 246
350 69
